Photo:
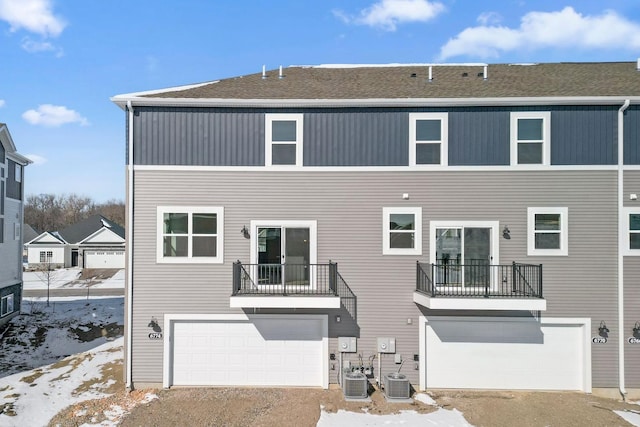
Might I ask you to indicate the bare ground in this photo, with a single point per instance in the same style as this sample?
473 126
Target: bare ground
301 407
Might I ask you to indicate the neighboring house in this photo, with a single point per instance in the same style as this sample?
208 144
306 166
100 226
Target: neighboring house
477 226
11 219
28 234
95 242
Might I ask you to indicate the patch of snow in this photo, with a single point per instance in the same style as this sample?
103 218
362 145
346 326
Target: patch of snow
56 385
630 417
425 398
69 278
441 417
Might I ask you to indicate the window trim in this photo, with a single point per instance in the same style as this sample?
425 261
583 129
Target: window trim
386 241
444 138
268 154
546 136
190 210
564 231
11 298
627 251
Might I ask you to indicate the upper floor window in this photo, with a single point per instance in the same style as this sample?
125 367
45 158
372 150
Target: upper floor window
547 231
530 138
402 231
428 139
18 172
190 234
283 145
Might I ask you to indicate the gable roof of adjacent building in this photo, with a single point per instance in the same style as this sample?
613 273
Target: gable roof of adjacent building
81 230
10 148
403 82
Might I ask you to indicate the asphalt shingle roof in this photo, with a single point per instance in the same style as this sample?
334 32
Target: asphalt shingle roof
81 230
411 81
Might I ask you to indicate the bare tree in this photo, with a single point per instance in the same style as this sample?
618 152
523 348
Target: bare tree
50 212
47 273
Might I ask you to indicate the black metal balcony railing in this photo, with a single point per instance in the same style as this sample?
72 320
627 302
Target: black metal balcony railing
479 280
288 279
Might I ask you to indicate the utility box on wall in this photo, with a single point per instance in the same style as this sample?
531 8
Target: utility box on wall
347 344
386 345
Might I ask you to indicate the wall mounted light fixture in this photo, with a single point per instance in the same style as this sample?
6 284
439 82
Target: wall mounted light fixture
338 319
603 331
153 324
636 330
245 232
506 233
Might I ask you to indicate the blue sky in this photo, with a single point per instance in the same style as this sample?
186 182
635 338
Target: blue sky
63 59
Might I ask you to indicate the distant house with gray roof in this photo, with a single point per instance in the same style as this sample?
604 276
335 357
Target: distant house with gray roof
96 242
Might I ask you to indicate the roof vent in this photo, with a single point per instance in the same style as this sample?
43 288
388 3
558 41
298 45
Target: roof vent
638 65
484 70
465 74
280 75
414 75
430 73
264 72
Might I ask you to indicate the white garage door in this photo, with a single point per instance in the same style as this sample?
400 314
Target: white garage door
261 351
507 354
104 259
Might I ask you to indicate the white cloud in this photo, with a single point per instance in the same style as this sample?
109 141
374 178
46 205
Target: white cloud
487 18
35 16
387 14
53 116
541 30
32 46
36 159
2 103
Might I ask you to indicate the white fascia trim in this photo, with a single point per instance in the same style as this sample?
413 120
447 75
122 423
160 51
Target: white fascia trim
284 302
408 169
121 100
19 158
445 303
168 338
95 233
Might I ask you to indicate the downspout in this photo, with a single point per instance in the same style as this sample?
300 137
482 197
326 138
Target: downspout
129 248
621 249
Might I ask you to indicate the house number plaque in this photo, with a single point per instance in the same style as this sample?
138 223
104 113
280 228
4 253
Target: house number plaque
599 340
155 336
633 340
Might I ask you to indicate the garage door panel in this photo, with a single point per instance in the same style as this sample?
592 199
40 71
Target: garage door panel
504 355
264 352
104 259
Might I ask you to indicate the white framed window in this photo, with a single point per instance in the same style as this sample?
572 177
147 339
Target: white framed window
547 231
18 173
6 305
530 138
283 139
401 231
632 232
190 234
428 139
46 256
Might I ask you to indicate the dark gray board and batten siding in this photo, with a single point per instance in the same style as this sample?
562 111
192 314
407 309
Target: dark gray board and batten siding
348 209
366 137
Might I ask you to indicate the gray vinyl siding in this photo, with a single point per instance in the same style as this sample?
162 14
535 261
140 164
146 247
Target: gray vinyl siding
348 209
363 137
632 135
10 248
631 291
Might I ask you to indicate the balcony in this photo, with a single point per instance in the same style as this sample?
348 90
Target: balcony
479 286
289 286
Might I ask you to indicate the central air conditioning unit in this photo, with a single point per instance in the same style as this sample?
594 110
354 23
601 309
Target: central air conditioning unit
396 386
355 385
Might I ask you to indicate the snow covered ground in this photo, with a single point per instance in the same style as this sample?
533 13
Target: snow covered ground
69 352
70 278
